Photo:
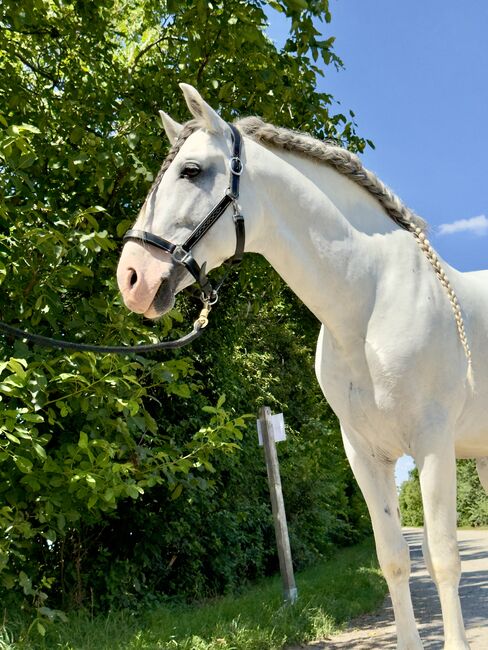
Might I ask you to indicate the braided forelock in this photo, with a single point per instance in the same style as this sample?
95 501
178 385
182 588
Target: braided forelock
187 129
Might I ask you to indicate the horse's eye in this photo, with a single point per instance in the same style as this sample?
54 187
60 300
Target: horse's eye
190 170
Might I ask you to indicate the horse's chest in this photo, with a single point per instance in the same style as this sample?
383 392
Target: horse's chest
358 410
362 405
353 402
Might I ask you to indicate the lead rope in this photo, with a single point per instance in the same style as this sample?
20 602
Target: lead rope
198 326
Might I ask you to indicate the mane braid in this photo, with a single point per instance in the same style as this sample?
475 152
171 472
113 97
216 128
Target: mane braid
188 128
342 160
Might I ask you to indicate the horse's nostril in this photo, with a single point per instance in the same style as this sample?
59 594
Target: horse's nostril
133 277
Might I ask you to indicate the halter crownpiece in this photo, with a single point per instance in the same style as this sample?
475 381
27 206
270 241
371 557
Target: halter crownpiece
182 253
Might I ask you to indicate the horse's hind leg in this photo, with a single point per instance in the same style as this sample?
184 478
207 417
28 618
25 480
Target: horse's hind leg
437 468
377 482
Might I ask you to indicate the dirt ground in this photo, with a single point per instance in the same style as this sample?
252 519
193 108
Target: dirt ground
377 631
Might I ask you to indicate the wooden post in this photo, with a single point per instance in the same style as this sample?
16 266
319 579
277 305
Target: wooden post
277 505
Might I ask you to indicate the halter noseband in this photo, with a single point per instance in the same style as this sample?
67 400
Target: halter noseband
182 253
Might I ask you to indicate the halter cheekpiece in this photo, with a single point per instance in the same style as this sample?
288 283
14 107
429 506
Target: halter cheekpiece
183 253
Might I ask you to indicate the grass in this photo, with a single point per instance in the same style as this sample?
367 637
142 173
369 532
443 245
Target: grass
329 595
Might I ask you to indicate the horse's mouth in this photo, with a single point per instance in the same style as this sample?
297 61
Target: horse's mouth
163 300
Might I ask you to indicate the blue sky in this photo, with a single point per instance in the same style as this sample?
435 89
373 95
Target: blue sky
416 76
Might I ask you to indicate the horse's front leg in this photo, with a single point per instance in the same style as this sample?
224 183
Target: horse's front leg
437 468
377 482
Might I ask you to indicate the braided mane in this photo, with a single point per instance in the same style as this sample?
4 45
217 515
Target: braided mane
342 160
188 128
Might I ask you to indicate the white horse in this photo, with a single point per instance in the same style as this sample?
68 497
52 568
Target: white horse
394 351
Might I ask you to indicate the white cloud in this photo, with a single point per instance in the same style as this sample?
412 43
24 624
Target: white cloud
476 225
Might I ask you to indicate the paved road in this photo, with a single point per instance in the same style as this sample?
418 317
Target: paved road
377 631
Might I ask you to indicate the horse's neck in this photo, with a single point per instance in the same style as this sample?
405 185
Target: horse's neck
308 231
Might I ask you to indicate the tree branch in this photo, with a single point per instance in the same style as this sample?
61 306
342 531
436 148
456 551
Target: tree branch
34 67
206 58
153 44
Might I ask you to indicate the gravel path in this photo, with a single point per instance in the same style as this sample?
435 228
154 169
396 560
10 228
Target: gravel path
377 631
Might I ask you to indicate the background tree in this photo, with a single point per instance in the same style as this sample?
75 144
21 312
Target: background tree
123 477
411 501
472 500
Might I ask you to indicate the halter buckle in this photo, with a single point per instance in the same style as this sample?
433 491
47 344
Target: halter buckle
180 255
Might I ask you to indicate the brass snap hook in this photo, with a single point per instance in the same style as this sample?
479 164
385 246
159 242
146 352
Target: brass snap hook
202 320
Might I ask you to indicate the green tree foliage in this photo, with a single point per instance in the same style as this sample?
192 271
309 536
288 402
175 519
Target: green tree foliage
128 475
411 500
472 500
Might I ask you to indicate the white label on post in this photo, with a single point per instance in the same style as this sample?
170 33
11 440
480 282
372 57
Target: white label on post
278 427
278 424
260 432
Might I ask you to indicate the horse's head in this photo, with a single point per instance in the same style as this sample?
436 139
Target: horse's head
165 251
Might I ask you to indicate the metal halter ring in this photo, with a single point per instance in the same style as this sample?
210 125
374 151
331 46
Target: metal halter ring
211 300
240 167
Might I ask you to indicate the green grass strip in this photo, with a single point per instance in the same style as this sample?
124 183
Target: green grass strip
329 595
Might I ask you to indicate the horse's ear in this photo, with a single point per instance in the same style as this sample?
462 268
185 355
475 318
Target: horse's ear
171 126
201 111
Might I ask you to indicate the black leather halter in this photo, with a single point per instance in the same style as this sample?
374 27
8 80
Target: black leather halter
182 253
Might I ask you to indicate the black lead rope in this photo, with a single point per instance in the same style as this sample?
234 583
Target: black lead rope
47 341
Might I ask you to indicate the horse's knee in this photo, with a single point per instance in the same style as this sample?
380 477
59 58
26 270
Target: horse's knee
394 560
443 562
